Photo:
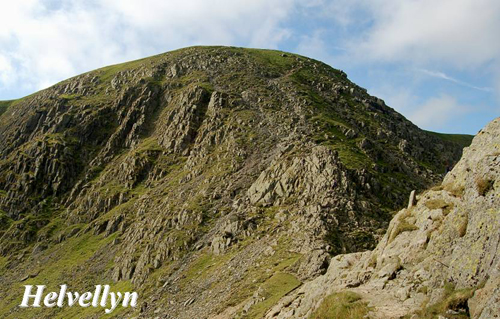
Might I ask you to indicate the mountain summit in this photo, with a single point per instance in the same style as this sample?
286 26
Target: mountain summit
211 180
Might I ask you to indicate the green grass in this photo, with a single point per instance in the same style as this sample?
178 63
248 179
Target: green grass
5 220
77 251
460 139
28 226
351 156
274 60
455 300
326 119
270 275
201 266
439 204
273 284
64 262
98 312
345 305
195 78
402 226
148 145
273 290
4 105
69 96
107 73
4 260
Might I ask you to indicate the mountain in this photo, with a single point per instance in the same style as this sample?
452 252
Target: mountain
211 180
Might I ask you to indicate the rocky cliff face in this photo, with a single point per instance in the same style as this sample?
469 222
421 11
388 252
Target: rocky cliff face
213 181
439 257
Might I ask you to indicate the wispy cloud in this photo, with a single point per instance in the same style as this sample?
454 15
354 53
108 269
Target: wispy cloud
444 76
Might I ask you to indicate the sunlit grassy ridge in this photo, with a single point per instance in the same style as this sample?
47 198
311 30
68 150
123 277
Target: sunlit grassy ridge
462 139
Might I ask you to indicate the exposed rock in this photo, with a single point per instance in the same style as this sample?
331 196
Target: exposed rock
412 200
450 238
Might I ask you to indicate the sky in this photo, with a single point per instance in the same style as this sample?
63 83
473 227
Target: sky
435 61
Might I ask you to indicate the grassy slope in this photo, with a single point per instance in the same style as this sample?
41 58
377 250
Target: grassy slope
65 261
4 105
461 139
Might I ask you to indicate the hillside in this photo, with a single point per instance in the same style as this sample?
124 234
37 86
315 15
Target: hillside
4 105
461 139
211 180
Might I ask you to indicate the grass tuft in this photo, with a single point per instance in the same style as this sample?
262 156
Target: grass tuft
401 227
348 305
483 186
439 204
457 191
462 226
454 300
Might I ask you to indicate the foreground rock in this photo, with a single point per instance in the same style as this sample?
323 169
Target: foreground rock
439 257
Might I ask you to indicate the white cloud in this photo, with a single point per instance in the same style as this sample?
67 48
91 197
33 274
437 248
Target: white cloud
42 42
313 46
6 70
437 112
432 113
463 33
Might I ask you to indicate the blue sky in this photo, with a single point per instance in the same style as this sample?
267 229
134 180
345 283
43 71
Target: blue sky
435 61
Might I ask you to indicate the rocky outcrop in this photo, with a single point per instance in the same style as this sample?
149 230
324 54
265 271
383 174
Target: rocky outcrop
440 256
